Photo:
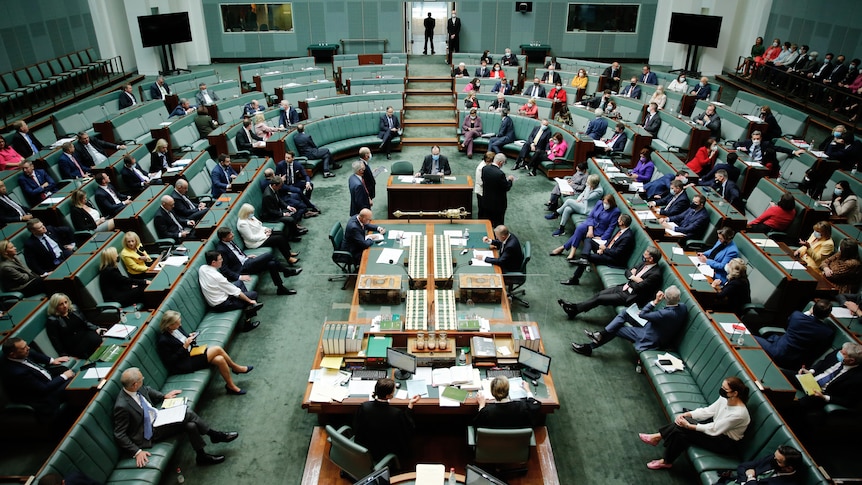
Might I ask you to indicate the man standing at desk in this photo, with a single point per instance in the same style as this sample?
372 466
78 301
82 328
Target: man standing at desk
435 163
511 255
360 196
354 241
495 185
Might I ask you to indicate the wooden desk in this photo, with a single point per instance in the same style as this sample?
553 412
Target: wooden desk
449 194
168 276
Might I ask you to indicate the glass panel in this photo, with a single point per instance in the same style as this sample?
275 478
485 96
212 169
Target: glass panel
589 17
257 17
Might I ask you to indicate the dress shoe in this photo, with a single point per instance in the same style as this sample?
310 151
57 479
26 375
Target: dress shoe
248 369
251 325
531 173
296 239
301 231
553 215
579 261
571 309
310 214
559 232
252 310
470 156
223 436
231 392
327 175
207 459
285 291
582 349
594 336
571 282
288 272
658 465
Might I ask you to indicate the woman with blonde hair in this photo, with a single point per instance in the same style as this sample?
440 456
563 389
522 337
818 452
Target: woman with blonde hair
580 80
15 275
658 97
254 234
818 247
181 354
70 333
135 259
735 293
115 285
86 217
262 129
160 159
530 110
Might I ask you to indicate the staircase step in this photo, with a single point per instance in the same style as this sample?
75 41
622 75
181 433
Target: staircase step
429 92
430 122
430 141
428 79
429 106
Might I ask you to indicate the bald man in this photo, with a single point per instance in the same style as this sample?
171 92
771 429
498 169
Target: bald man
170 225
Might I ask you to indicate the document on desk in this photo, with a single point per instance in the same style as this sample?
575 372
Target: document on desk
405 238
394 234
478 254
600 144
407 179
417 387
765 243
390 256
671 232
433 474
706 270
841 312
97 372
792 265
734 328
453 234
516 389
645 215
120 331
176 260
819 154
753 118
457 241
697 276
358 387
324 392
51 200
678 250
172 415
423 374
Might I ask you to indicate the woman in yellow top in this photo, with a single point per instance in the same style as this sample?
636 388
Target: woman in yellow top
134 258
580 81
818 247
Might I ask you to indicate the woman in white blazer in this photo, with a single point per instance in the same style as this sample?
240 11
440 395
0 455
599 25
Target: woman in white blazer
254 234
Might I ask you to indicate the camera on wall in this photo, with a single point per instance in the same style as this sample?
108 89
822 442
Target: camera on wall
523 7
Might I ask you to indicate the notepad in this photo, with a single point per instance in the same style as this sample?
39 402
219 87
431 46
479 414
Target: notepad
120 331
455 394
809 383
332 362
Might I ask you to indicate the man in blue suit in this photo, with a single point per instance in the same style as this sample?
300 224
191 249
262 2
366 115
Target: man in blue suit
287 115
808 335
70 167
692 222
728 166
222 176
597 126
632 90
660 187
506 133
159 89
354 240
388 129
702 90
725 187
359 196
308 149
182 109
647 76
653 329
674 202
36 183
615 252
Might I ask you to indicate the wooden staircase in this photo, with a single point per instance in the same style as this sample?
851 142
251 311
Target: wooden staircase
430 107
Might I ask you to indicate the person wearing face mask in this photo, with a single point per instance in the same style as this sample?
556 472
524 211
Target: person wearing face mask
734 293
702 90
600 223
675 202
644 168
600 101
839 145
678 85
597 127
757 145
817 247
769 55
453 28
582 204
843 269
727 165
536 90
482 70
536 143
660 187
614 252
704 157
497 72
822 71
435 163
472 129
845 203
780 66
287 115
807 336
551 76
558 94
473 85
839 72
616 142
499 104
529 109
509 59
691 222
721 253
652 121
773 129
718 427
811 64
781 467
724 187
658 97
757 50
580 81
632 90
502 86
710 119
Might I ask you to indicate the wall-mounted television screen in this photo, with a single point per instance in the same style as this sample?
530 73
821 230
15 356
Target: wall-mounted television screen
691 29
164 29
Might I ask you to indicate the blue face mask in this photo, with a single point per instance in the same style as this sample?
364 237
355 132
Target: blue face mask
836 134
839 356
816 235
435 157
838 191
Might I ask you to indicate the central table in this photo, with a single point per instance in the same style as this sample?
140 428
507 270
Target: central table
449 194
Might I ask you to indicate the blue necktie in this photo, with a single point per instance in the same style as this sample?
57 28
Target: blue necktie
825 380
148 418
30 142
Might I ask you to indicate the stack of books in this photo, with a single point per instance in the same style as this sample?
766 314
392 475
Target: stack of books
526 336
343 338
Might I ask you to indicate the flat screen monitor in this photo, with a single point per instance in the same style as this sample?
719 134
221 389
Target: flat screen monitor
380 477
164 29
404 362
432 178
691 29
533 363
477 476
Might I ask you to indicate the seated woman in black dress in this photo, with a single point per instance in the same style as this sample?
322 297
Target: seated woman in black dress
116 286
382 428
85 216
70 333
506 414
736 293
175 348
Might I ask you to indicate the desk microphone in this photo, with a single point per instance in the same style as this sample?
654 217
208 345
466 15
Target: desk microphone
759 383
410 284
451 279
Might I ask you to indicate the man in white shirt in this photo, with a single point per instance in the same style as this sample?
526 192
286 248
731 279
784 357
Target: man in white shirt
222 295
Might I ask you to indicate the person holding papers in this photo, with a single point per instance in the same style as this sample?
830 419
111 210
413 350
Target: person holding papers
354 241
718 427
650 328
116 286
70 333
181 353
719 256
136 424
505 413
735 292
843 269
582 204
32 378
383 428
511 256
616 143
600 223
575 184
690 223
808 335
435 163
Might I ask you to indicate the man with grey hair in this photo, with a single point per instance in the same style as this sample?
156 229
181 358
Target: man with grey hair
182 109
360 197
170 225
505 134
287 115
159 89
183 205
597 127
650 328
204 96
495 185
368 175
135 412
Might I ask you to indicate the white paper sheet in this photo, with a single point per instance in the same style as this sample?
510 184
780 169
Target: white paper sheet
678 250
417 387
394 234
765 243
176 260
706 270
457 241
407 179
172 415
792 265
359 387
390 254
697 276
734 328
600 143
841 312
120 331
645 215
51 200
97 372
453 233
753 118
564 186
477 253
423 374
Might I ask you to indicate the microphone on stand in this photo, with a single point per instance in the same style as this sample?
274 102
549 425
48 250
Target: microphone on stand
410 284
759 383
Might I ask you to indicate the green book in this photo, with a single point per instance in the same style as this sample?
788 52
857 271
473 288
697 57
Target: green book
468 325
455 394
106 353
377 346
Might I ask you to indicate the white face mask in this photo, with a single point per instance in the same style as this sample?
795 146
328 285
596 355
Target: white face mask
727 268
775 44
606 205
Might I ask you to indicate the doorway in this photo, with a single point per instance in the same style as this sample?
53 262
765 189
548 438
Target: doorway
418 12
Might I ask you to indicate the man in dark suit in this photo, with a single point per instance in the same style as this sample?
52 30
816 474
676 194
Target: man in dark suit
135 411
274 209
159 89
24 142
297 182
508 58
535 91
660 187
308 149
617 141
551 77
656 332
674 202
691 222
702 90
710 119
251 109
429 23
537 142
600 101
354 240
435 163
482 70
368 174
222 176
28 381
511 255
644 280
389 126
238 265
631 90
126 98
134 176
170 225
495 185
360 198
109 201
183 108
69 166
505 134
36 183
613 74
647 76
47 246
506 414
615 252
287 115
91 151
183 205
453 28
597 126
780 467
205 97
11 210
652 121
728 166
808 335
725 187
247 141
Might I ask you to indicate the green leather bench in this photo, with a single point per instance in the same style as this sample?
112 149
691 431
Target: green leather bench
306 77
362 86
794 168
793 122
230 110
248 71
316 109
